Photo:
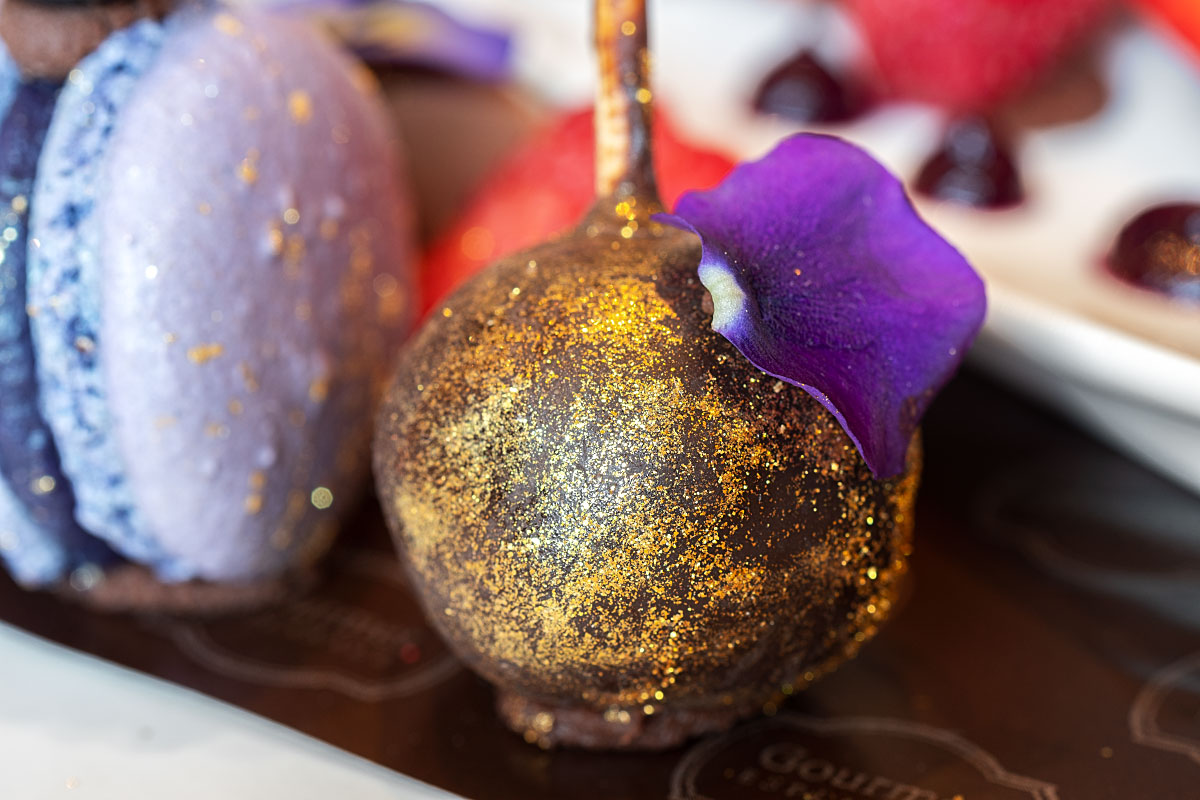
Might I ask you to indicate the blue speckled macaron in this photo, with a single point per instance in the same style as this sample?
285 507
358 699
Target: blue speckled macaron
66 284
39 537
218 274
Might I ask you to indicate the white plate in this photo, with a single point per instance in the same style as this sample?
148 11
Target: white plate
72 725
1124 362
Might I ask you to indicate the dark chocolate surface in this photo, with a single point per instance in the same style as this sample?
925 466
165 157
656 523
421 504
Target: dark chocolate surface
1049 649
605 507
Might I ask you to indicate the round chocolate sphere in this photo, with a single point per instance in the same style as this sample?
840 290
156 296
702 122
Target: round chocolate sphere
611 514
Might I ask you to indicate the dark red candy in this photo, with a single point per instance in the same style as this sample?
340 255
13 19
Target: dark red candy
972 167
802 89
1159 249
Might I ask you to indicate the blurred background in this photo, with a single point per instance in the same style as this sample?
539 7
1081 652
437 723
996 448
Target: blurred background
1030 135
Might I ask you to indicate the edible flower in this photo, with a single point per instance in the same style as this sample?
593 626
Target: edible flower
823 275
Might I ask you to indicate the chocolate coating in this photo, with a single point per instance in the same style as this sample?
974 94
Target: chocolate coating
605 507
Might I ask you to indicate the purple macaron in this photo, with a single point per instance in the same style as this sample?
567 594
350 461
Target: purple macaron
219 270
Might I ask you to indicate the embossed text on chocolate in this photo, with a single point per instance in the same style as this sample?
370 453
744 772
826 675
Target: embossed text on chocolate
846 758
790 770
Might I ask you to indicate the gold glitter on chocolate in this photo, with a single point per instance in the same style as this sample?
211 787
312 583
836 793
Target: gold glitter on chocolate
606 507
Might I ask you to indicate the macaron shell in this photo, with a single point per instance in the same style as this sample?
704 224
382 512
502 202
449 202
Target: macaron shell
65 280
31 554
28 458
256 284
9 75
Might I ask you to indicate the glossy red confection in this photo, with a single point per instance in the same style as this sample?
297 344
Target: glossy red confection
970 55
543 189
1183 16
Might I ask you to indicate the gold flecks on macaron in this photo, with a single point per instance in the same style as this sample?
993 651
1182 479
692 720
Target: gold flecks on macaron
249 379
228 24
247 170
294 250
203 353
300 106
254 501
216 430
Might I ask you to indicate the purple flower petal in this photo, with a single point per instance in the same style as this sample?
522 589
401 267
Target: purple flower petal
410 34
823 275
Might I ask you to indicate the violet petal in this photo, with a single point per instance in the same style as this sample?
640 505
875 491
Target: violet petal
410 34
823 275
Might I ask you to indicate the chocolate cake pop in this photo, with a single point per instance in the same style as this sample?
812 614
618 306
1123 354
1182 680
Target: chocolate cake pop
618 486
212 246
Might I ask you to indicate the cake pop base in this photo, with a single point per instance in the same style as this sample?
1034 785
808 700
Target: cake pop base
131 588
549 725
47 40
